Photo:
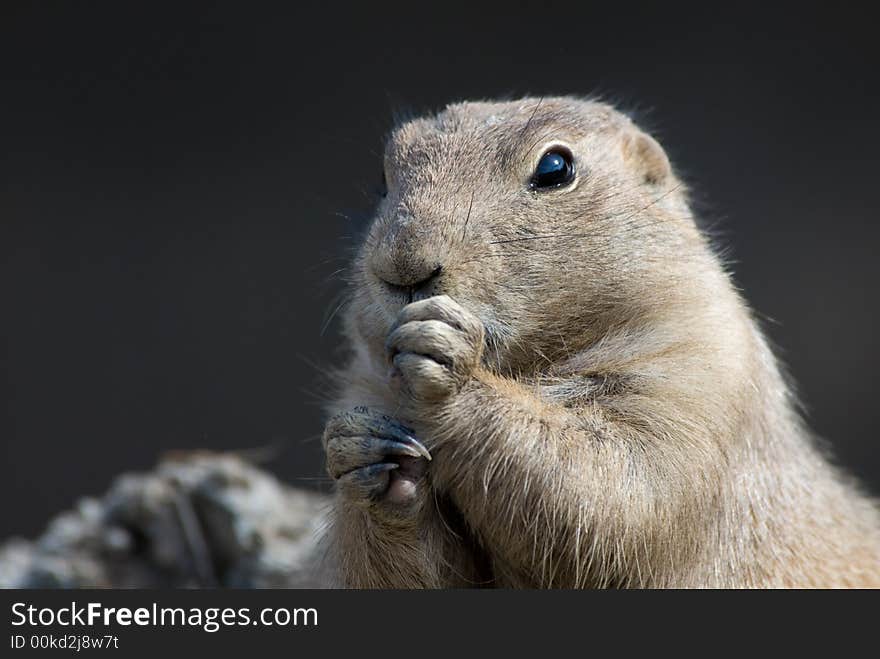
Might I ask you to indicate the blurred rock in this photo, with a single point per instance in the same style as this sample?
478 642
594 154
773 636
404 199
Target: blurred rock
198 520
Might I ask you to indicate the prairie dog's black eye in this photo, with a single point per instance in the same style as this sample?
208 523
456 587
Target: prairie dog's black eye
555 169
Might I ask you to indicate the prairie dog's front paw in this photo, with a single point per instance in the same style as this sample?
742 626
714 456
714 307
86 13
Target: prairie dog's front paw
374 458
434 347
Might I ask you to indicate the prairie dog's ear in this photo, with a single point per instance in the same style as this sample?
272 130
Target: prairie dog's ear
646 156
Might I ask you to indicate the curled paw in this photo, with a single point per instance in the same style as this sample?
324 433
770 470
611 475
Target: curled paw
434 348
374 458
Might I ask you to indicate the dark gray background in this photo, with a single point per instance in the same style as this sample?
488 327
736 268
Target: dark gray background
173 185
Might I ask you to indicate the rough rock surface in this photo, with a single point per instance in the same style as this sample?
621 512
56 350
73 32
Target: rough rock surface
197 520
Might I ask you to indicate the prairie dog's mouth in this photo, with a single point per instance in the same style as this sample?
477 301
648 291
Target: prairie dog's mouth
407 293
420 288
392 298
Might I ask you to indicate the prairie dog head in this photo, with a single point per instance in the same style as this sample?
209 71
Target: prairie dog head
551 219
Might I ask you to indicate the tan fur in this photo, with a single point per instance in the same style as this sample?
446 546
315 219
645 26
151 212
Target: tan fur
600 407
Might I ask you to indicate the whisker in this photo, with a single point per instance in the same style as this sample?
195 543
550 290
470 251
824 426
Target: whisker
332 315
468 218
522 132
591 233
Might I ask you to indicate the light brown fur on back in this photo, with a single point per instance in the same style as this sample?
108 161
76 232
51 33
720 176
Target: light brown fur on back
599 405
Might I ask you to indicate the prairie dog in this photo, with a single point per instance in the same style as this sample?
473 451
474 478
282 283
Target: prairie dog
535 310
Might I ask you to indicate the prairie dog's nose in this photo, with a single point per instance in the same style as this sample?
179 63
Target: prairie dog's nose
408 257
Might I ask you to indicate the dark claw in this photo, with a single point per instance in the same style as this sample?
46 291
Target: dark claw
394 431
412 448
419 447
